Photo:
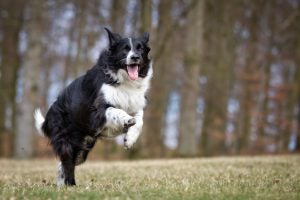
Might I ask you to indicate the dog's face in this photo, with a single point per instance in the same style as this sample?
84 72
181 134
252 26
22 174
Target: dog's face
129 55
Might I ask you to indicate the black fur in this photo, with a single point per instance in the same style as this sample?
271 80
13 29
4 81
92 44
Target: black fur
72 122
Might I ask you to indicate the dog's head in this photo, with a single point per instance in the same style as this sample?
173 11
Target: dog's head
128 57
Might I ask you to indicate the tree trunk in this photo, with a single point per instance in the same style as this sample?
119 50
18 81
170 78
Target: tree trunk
190 86
145 15
117 13
152 136
24 141
297 78
219 59
297 148
11 20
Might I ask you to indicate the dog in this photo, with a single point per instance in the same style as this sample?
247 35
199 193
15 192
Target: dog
107 101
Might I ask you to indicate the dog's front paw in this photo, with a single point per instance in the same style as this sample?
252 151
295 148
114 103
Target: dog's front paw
128 142
128 123
125 119
129 139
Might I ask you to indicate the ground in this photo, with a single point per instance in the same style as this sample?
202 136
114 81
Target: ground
267 177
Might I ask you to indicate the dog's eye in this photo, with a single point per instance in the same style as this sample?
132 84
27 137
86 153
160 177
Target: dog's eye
127 47
138 47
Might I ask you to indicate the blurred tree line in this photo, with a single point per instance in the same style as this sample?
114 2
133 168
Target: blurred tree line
226 73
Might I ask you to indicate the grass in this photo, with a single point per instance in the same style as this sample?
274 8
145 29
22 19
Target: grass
265 177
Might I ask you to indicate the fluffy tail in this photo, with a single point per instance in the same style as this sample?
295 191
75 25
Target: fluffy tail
39 120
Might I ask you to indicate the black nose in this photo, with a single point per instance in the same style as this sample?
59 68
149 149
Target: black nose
135 58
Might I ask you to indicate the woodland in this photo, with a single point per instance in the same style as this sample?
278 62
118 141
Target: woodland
226 73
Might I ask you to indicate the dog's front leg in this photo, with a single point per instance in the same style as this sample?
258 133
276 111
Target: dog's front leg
134 131
118 119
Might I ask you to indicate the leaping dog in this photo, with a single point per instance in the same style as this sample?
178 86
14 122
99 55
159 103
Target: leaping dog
105 102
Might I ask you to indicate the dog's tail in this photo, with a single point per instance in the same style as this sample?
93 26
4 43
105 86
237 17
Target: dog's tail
39 120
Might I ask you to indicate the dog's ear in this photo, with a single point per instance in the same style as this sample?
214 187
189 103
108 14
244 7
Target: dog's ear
145 37
113 37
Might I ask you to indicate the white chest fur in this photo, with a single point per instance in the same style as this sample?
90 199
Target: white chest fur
129 99
129 95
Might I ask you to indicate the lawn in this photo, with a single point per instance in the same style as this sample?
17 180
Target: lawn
267 177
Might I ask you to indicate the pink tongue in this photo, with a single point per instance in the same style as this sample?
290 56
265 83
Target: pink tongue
133 72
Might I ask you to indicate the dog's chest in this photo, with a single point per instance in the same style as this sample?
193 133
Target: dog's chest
128 98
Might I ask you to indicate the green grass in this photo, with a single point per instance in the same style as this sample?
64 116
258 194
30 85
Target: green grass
210 178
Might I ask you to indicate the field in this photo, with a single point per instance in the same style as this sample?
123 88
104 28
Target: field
266 177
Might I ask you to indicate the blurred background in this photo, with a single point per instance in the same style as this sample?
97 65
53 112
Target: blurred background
226 73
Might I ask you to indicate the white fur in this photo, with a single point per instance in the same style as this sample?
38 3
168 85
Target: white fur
117 119
60 175
128 97
130 53
134 131
39 120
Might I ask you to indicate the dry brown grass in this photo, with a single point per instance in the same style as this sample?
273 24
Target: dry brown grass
267 177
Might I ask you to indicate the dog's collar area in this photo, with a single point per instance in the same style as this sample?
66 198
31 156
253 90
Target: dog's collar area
111 77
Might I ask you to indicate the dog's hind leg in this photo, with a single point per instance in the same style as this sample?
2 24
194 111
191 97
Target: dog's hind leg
66 168
65 174
60 175
69 172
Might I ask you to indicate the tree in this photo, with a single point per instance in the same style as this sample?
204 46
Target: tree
24 141
219 59
11 24
117 12
152 136
145 16
190 86
297 76
249 77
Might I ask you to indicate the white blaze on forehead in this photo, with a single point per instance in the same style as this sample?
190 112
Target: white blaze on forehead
130 42
130 53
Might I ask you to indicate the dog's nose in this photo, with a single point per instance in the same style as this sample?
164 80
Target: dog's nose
135 58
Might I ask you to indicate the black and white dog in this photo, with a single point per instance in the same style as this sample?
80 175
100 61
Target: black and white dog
105 102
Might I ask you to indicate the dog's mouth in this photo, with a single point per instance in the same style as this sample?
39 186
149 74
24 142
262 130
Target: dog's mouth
133 71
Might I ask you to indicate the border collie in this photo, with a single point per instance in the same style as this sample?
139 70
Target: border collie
105 102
